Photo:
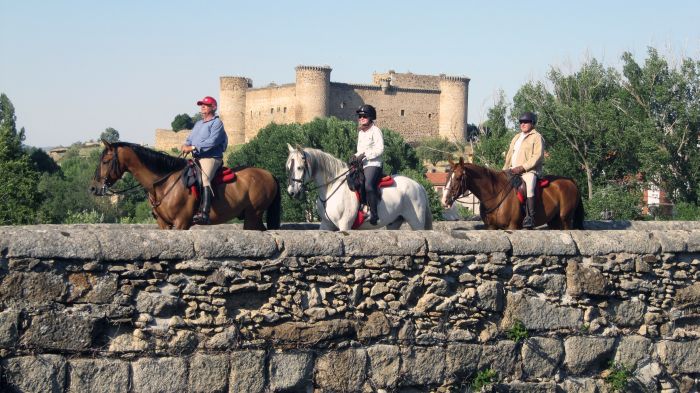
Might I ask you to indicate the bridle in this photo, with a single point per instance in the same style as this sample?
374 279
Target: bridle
462 194
307 173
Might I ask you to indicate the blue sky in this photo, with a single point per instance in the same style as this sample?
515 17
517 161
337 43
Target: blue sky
73 68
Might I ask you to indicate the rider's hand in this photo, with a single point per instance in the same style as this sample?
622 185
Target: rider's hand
187 149
361 156
517 170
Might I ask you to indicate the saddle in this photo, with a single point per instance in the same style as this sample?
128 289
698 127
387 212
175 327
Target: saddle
521 191
192 177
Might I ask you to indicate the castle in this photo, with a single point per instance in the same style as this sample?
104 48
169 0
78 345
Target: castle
416 106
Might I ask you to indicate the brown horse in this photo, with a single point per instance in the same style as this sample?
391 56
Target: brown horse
558 205
253 192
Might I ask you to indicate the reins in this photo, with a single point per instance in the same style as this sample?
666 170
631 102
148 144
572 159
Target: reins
509 186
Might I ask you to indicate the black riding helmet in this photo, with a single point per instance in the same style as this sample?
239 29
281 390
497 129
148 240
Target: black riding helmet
367 110
528 117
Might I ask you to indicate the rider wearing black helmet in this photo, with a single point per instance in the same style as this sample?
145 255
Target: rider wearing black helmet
524 157
370 146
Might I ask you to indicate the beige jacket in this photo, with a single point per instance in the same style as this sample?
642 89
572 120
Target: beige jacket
530 155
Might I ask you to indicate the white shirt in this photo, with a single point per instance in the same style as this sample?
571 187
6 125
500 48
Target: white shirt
371 142
516 148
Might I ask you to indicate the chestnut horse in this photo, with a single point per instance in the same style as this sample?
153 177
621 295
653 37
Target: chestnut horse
558 205
253 192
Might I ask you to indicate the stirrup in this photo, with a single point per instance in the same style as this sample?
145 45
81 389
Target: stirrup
201 219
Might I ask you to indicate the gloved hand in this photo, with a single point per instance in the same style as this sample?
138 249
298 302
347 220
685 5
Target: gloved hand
517 170
361 156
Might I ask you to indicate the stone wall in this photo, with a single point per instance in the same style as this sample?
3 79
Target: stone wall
129 309
169 139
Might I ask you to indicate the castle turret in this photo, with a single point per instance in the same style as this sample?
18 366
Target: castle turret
313 86
232 107
454 93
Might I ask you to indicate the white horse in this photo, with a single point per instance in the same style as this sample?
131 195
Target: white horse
338 206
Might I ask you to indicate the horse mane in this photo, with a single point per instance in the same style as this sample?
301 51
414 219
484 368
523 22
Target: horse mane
319 159
492 176
154 160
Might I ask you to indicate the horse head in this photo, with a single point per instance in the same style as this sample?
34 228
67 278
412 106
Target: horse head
108 171
297 172
456 183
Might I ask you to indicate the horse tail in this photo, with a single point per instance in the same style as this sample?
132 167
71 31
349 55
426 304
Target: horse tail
579 213
274 211
428 213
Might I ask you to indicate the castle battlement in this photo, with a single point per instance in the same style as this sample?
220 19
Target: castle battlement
417 106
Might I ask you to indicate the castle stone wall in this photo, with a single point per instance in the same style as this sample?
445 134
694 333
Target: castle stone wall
89 308
274 104
414 111
169 139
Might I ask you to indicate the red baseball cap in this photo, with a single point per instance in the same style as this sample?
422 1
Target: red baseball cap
207 101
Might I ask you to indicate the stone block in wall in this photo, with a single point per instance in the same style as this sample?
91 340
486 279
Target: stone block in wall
542 243
458 242
208 373
60 330
627 313
461 361
525 387
99 375
302 333
584 280
32 288
693 241
342 371
501 357
384 365
672 241
9 320
610 242
86 287
137 244
583 385
538 314
212 243
376 326
62 242
422 365
156 375
247 371
490 296
588 354
306 243
552 284
688 296
680 357
633 351
542 357
163 303
290 371
384 243
41 373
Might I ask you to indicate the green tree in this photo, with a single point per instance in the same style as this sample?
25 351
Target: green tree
110 135
585 133
663 105
494 135
18 178
436 149
42 161
182 122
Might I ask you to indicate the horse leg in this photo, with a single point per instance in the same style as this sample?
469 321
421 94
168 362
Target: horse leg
397 224
253 220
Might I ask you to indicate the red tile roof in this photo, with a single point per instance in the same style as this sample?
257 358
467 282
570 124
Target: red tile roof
437 178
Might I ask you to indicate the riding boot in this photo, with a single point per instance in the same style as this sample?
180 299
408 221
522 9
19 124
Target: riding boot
202 218
529 220
372 202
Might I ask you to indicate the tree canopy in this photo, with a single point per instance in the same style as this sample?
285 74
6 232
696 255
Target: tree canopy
110 135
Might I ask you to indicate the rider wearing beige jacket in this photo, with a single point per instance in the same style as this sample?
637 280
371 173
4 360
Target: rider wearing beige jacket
524 157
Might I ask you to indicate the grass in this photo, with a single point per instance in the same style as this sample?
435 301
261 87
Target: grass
483 378
618 377
517 331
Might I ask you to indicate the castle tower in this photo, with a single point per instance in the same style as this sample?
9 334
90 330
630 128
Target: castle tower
232 101
454 92
313 87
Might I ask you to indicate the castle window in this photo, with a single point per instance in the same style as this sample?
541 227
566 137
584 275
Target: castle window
430 115
402 112
342 105
272 110
285 109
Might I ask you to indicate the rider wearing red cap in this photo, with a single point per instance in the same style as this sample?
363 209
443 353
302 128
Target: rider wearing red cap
207 143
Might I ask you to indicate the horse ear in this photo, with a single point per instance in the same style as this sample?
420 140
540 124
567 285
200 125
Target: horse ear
461 161
452 163
291 149
107 144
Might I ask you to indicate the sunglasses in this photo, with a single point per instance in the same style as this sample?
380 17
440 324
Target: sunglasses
525 122
362 117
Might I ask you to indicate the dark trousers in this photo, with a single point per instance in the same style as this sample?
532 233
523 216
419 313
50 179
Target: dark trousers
372 175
